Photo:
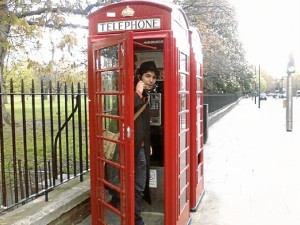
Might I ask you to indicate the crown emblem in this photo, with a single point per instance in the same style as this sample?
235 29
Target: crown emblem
127 12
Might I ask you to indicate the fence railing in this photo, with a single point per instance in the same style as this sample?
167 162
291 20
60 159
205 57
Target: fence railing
216 102
43 139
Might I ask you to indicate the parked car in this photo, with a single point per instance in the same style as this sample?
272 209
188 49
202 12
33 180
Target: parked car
298 93
263 96
282 95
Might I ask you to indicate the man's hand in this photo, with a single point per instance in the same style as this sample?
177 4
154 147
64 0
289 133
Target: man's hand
140 88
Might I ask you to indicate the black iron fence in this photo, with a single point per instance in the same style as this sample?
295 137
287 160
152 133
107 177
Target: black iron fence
216 102
43 139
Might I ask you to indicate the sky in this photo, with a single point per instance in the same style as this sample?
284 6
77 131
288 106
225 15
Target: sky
270 32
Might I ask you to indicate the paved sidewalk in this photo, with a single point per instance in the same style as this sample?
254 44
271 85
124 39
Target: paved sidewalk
252 167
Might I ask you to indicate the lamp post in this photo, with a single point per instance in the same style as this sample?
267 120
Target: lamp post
255 91
289 97
259 86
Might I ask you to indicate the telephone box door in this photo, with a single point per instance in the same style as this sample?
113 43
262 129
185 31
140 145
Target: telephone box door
111 124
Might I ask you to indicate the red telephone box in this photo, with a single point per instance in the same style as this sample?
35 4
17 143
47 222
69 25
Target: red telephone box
122 36
197 121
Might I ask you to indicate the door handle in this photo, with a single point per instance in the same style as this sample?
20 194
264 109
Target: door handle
128 132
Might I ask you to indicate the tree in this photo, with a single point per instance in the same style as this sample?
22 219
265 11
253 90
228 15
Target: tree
225 66
296 81
23 23
18 72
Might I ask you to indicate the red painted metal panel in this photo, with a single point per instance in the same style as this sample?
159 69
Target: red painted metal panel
197 180
171 127
102 210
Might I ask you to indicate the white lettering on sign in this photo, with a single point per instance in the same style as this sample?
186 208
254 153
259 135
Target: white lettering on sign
144 24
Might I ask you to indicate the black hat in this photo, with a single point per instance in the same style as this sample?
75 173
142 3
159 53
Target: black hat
148 66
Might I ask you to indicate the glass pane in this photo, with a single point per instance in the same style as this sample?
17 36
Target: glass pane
112 218
97 60
183 121
110 80
109 57
183 199
198 84
110 124
110 104
198 123
183 141
112 175
110 145
182 82
112 169
183 180
198 67
98 82
198 100
183 103
183 161
183 62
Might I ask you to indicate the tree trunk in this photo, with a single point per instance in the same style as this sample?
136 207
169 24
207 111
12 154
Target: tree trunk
4 31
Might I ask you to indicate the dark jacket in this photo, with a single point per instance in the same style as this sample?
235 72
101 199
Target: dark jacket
142 134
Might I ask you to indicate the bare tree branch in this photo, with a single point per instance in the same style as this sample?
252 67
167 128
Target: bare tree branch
63 25
59 10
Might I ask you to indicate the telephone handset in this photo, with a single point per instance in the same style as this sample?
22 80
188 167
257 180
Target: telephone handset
155 102
146 92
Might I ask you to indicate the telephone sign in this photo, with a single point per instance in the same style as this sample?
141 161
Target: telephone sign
144 24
